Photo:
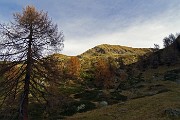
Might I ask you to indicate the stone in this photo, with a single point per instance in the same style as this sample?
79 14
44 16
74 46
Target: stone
172 112
103 103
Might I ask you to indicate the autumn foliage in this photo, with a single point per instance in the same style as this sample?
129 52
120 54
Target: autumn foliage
103 75
73 67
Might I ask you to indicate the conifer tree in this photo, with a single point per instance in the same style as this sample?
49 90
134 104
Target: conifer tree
24 43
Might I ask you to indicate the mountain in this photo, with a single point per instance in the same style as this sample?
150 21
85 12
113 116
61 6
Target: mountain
128 55
114 50
135 83
112 53
156 96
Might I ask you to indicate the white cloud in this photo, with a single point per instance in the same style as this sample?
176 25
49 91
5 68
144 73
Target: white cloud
143 34
143 31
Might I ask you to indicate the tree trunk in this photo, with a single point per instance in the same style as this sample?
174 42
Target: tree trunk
25 96
25 99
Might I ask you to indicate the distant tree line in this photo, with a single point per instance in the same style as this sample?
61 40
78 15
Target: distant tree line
167 41
167 56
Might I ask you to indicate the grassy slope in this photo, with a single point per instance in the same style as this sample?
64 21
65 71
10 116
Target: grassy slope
147 108
127 54
149 73
114 51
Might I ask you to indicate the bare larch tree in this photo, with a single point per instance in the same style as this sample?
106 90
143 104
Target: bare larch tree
23 46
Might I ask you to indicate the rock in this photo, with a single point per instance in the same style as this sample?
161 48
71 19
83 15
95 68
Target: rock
81 107
172 112
103 104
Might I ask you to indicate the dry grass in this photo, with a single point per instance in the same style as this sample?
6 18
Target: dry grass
147 108
149 73
113 50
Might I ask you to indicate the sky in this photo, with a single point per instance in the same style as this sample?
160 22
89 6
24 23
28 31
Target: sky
88 23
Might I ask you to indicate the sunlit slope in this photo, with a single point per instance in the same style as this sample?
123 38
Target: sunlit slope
114 50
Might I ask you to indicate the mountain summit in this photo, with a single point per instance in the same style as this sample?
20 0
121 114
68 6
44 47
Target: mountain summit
114 50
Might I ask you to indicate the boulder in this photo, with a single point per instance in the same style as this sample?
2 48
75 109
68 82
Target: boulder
172 112
103 103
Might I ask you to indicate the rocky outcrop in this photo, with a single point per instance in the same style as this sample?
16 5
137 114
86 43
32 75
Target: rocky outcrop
172 112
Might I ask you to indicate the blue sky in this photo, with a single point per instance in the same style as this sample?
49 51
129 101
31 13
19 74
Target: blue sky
87 23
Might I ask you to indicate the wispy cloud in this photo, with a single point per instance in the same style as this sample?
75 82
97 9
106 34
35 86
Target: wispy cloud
138 34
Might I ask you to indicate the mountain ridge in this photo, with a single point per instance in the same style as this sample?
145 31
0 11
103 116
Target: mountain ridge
114 50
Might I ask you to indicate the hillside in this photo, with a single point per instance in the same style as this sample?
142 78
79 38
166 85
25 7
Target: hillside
136 83
146 108
155 96
132 83
117 53
114 50
167 56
